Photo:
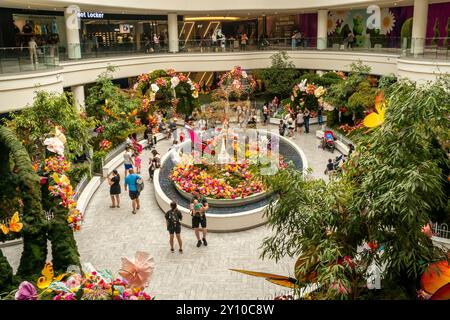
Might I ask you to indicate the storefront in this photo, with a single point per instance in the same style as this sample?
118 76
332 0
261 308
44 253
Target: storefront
104 30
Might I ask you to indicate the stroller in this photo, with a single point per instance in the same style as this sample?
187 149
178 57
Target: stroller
328 141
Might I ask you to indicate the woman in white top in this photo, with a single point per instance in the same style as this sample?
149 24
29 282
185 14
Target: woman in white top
291 125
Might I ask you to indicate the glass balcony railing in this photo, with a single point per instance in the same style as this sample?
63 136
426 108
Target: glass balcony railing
16 60
13 60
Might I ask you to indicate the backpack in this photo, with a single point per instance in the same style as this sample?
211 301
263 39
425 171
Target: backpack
139 184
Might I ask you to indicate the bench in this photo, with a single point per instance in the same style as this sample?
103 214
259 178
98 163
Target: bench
340 146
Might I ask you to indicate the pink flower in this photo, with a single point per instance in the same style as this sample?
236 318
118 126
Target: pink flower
26 292
137 273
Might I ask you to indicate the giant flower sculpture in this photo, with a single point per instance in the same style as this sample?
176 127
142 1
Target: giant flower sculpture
238 80
167 89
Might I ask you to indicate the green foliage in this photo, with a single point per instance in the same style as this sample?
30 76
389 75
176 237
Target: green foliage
97 159
19 179
281 76
325 80
406 31
386 82
112 108
33 125
78 171
354 93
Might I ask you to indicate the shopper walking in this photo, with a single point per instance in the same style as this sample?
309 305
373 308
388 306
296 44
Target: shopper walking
282 128
199 206
266 113
156 42
128 160
131 184
173 219
244 40
320 113
114 189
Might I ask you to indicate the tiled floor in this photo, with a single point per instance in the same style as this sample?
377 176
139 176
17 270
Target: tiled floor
200 273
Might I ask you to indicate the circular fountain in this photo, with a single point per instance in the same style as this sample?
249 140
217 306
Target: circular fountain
224 215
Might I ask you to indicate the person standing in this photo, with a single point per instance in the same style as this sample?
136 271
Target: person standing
32 47
131 184
154 163
173 219
156 42
266 113
291 124
320 113
199 206
299 121
128 160
114 189
306 116
137 162
244 40
294 40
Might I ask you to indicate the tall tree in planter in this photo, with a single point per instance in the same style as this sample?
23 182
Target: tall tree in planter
280 77
115 111
400 181
391 187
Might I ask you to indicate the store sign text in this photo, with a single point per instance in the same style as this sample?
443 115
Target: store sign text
91 15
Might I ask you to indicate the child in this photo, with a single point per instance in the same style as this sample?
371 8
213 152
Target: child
137 162
196 208
282 128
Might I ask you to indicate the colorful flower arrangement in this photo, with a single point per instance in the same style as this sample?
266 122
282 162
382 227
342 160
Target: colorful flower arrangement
238 79
229 181
349 129
92 285
105 144
304 95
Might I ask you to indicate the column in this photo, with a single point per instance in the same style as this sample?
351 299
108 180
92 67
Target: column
78 96
73 32
139 29
172 21
419 29
322 21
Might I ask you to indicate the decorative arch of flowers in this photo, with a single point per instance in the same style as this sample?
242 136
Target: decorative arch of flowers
238 81
166 89
305 95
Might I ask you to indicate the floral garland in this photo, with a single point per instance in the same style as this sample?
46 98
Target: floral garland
149 84
238 79
54 172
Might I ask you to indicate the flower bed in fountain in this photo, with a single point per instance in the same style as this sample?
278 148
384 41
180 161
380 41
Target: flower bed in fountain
232 181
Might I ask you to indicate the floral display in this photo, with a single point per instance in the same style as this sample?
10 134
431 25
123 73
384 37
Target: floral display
349 129
93 284
167 89
105 144
238 79
304 95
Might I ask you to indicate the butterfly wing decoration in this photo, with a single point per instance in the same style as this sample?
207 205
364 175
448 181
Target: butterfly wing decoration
375 119
273 278
47 276
15 225
436 277
4 228
442 294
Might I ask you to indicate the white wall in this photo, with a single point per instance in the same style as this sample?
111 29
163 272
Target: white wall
18 90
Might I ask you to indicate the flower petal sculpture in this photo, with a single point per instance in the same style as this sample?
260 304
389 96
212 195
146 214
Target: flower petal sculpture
139 271
376 119
26 292
54 145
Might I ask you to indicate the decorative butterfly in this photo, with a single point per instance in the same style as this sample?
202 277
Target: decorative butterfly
375 119
436 280
48 276
14 224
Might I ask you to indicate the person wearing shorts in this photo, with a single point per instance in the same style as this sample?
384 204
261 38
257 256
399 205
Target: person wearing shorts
130 182
199 206
128 160
173 218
